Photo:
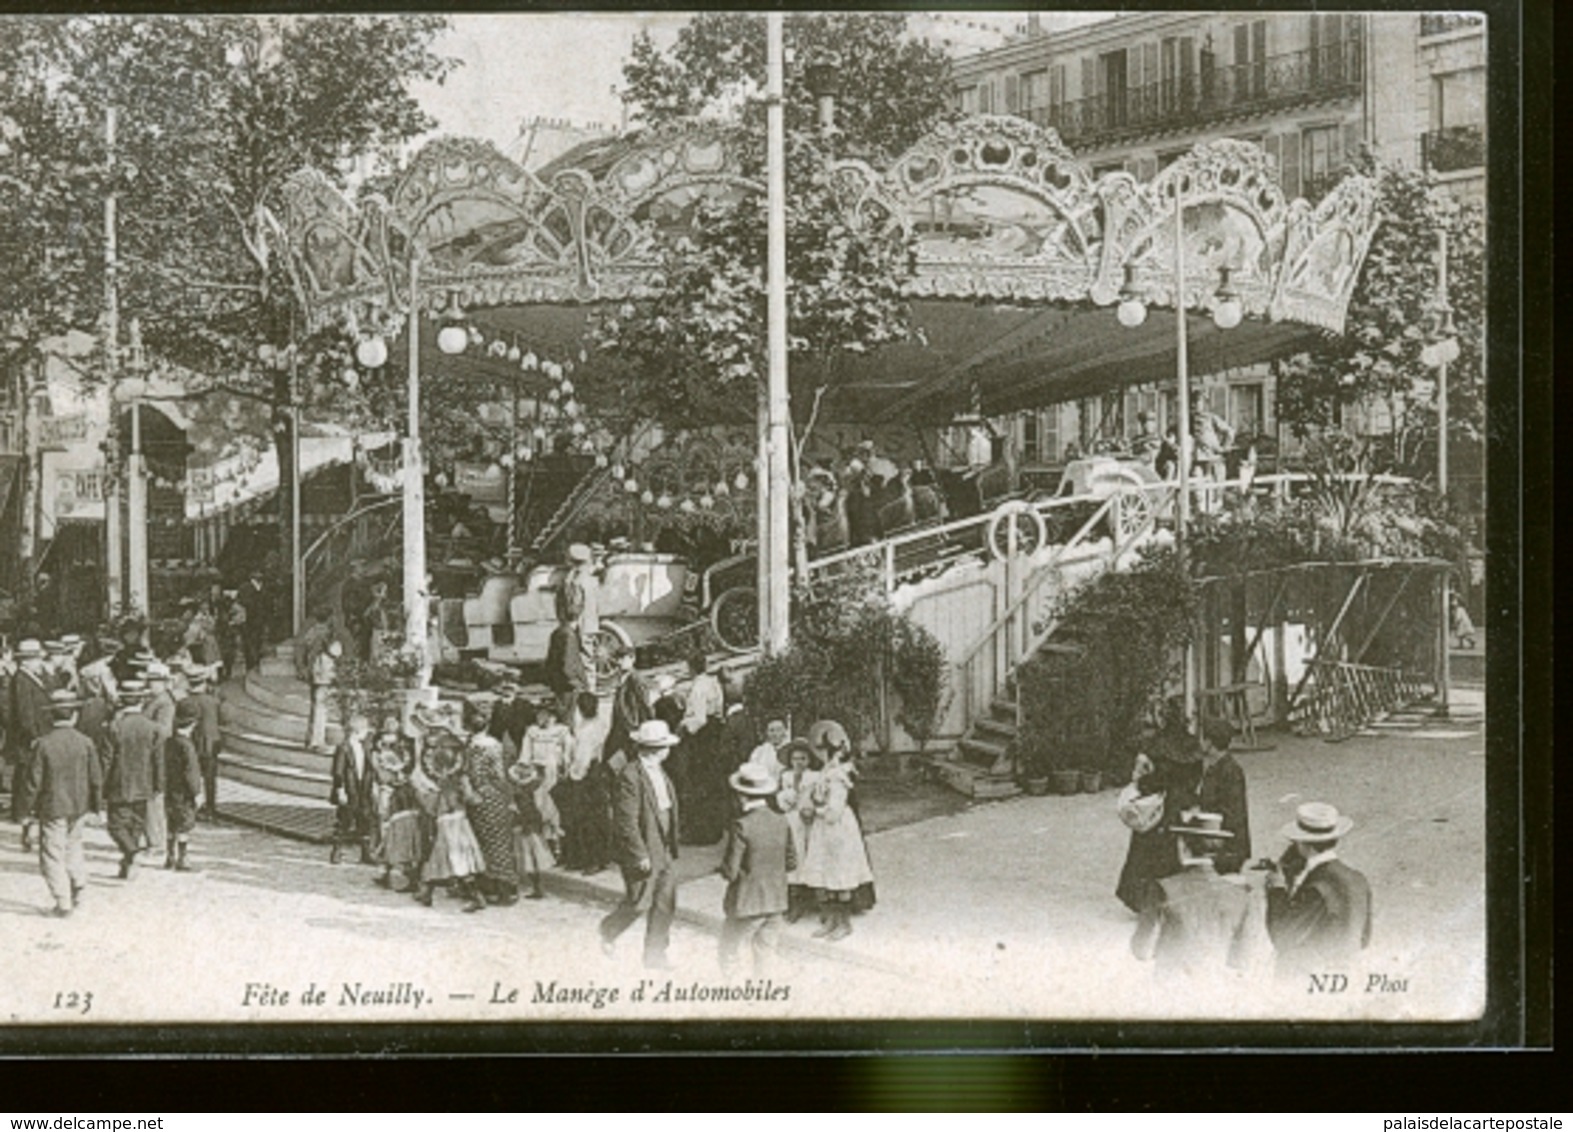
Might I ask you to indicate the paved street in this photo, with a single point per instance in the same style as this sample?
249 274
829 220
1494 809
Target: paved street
1003 909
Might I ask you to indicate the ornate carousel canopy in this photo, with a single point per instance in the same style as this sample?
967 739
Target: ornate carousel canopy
1021 253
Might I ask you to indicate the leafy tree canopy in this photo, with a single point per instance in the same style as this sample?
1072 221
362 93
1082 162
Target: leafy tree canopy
696 353
1393 319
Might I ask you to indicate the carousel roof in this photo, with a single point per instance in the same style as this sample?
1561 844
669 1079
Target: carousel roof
1020 255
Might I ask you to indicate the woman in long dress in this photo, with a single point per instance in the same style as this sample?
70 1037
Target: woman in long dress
836 864
1172 771
489 801
455 859
795 800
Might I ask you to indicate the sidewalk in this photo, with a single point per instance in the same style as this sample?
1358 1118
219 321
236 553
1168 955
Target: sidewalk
1014 899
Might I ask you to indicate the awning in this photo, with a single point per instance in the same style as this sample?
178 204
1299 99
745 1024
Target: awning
239 480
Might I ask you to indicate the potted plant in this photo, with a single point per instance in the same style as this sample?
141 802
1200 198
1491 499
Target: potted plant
1091 781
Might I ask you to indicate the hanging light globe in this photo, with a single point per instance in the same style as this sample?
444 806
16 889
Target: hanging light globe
707 501
687 507
514 353
631 485
664 502
647 498
567 387
529 361
350 378
452 340
372 353
722 488
1131 313
476 338
577 428
539 432
600 460
741 481
1228 314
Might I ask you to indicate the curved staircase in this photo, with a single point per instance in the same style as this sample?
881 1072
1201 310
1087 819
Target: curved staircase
268 777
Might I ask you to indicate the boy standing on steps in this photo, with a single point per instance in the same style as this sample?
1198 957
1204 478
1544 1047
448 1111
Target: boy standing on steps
182 785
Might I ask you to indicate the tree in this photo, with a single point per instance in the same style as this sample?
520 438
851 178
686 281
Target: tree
215 114
1392 319
695 354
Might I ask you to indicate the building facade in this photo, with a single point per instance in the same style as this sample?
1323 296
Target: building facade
1136 91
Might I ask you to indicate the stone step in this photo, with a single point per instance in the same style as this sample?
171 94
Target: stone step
991 728
292 781
299 818
1003 706
267 749
972 782
994 757
289 697
239 711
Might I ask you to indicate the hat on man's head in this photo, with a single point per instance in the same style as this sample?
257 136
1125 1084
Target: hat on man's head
72 640
157 670
131 691
752 779
494 566
1317 821
56 648
63 701
654 734
108 644
186 714
29 650
1201 824
579 554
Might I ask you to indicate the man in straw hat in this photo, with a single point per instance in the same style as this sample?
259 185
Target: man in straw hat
1194 924
30 721
206 736
133 773
644 843
1318 908
64 781
755 861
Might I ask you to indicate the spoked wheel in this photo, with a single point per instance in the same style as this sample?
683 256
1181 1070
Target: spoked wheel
1132 511
607 646
1025 521
734 619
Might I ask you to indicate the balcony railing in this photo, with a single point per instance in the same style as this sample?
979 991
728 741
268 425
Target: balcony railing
1214 92
1440 23
1453 148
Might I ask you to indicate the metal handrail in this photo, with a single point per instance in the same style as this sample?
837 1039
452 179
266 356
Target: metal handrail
320 544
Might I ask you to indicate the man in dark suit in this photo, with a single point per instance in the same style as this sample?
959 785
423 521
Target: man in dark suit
351 790
1194 923
1318 908
755 863
1221 790
65 780
644 843
30 721
133 773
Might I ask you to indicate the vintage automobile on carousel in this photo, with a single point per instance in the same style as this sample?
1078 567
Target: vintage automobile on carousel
646 598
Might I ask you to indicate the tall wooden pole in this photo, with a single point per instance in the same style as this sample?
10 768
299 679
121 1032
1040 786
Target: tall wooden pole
136 506
778 598
1441 370
112 533
1183 444
415 613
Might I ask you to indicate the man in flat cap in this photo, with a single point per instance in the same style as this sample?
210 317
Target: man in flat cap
65 782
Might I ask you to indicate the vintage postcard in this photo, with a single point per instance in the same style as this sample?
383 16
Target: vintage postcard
563 518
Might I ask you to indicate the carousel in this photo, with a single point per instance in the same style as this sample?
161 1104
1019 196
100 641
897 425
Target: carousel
1033 281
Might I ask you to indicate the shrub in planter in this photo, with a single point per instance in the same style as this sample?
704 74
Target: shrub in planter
849 645
1084 709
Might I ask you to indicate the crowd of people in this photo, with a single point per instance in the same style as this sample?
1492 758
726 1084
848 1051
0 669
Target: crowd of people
1185 874
107 727
479 801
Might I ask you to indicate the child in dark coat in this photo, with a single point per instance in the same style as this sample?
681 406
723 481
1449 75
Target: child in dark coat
755 862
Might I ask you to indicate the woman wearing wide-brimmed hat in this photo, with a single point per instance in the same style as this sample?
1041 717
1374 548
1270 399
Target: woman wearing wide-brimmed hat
1164 781
836 864
455 858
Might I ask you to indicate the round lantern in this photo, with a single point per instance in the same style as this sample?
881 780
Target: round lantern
372 353
452 340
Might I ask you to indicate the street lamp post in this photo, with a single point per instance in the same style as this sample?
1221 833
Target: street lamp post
1439 355
774 524
1227 313
415 597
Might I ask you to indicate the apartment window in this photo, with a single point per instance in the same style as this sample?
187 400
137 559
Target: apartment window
1035 89
1335 49
967 100
1458 99
1113 86
1178 67
1321 159
1031 438
1250 60
1245 409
